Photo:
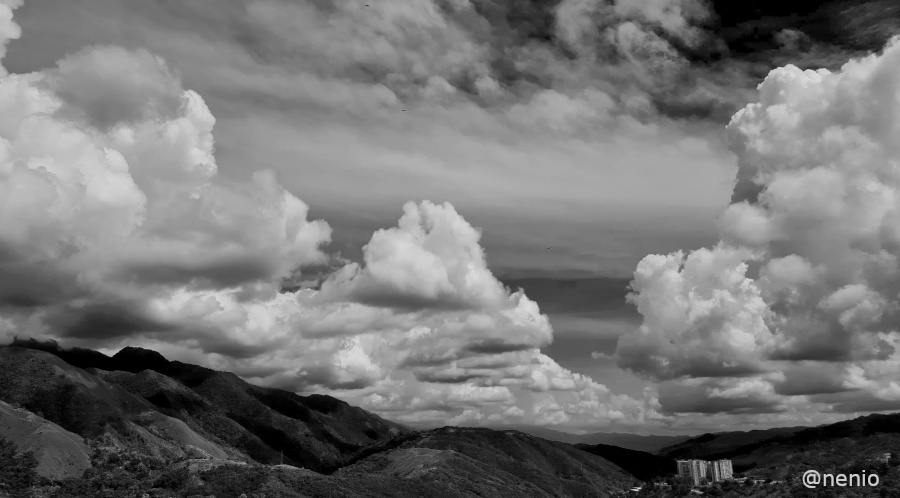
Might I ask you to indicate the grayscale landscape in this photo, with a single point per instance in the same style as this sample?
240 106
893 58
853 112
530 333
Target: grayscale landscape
441 248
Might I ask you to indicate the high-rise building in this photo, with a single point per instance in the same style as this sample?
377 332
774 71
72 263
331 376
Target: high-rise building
719 470
701 470
695 469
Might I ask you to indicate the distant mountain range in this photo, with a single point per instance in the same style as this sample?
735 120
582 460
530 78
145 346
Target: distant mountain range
723 444
649 444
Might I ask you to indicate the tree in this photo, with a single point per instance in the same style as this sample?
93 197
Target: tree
17 470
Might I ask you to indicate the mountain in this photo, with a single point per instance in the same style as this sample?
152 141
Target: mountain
648 444
454 461
71 397
642 465
778 453
140 392
137 423
459 462
832 446
723 444
59 453
446 462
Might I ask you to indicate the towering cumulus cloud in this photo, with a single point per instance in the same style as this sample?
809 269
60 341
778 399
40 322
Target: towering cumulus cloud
116 228
806 277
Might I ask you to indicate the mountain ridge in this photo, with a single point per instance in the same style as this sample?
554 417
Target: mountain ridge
636 442
198 431
712 446
260 424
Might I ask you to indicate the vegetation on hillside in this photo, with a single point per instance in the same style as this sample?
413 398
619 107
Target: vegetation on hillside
642 465
17 469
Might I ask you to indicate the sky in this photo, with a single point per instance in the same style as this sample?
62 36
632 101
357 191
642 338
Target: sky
649 216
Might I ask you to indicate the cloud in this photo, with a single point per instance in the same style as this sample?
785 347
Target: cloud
792 39
702 317
114 86
600 355
580 20
807 269
432 259
268 84
644 52
114 214
9 30
110 196
732 396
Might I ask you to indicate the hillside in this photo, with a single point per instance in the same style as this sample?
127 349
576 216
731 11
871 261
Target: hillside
448 462
724 444
828 446
648 444
144 424
786 453
75 399
59 453
154 401
642 465
455 461
851 447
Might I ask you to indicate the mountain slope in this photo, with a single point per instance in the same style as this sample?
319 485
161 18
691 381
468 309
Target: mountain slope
483 462
640 464
60 453
316 432
71 397
237 418
197 431
825 447
724 444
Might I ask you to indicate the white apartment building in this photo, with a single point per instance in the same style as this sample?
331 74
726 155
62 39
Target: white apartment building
695 469
701 470
719 470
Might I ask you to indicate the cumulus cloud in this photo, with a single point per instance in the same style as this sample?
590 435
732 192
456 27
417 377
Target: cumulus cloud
433 256
117 228
807 269
110 195
451 344
703 316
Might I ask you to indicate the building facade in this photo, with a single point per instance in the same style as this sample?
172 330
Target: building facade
719 470
701 471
